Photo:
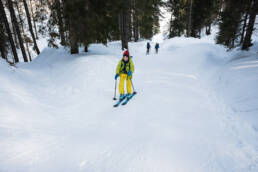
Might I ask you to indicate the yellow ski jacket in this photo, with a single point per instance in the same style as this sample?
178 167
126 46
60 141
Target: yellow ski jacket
123 68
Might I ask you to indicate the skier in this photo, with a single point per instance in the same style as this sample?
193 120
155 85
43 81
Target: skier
124 70
157 48
148 48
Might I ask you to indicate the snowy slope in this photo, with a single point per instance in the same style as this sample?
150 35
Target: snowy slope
237 83
57 115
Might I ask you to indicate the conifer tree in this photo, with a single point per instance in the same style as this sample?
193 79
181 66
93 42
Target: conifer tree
229 26
33 18
8 30
253 12
21 23
30 27
178 20
3 40
245 18
17 29
149 13
124 24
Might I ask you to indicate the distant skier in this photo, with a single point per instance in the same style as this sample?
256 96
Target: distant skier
148 48
125 69
157 48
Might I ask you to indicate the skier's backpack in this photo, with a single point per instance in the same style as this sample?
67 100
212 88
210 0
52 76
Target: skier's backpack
125 66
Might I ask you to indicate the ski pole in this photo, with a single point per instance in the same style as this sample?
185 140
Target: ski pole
133 87
115 91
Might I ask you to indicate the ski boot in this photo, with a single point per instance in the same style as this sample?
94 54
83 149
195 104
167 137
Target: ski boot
128 95
122 96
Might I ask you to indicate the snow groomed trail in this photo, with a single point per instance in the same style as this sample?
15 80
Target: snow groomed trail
57 113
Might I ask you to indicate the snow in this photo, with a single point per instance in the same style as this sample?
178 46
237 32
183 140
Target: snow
196 110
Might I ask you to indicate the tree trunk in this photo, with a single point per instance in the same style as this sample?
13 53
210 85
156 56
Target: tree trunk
121 28
247 40
86 48
190 19
136 29
124 30
73 40
73 44
34 21
243 29
23 32
170 25
4 18
245 22
60 23
14 20
70 22
15 37
3 40
30 27
129 25
135 22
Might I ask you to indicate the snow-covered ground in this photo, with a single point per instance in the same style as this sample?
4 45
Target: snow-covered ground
195 111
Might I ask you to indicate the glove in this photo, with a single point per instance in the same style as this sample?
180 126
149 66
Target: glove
116 76
130 73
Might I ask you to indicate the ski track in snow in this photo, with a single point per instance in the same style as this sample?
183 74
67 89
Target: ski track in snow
57 113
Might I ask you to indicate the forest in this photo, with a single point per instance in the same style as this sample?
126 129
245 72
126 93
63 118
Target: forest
79 23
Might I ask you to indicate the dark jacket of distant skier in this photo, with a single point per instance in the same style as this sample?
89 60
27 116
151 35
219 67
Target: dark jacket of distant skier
157 47
148 45
148 48
125 70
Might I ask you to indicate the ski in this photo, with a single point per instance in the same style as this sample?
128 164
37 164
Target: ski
128 98
119 101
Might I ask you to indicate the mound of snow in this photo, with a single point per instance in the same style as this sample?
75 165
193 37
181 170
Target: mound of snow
192 112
